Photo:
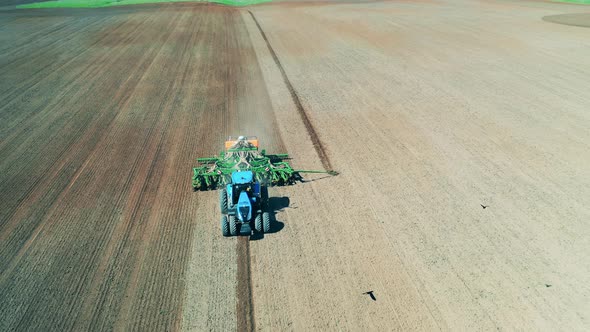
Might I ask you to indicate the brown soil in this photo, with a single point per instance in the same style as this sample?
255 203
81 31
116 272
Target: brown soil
244 306
426 108
102 118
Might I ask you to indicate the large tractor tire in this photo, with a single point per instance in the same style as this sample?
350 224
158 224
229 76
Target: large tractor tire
224 226
258 223
266 222
233 225
223 201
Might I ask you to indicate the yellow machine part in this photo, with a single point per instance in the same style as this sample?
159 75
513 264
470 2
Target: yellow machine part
229 144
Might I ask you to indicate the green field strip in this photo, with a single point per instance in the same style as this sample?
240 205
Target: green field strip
110 3
581 2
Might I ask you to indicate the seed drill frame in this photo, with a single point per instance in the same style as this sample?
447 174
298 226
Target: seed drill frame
241 154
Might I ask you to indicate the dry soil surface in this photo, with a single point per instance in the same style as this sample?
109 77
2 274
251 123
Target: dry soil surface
428 109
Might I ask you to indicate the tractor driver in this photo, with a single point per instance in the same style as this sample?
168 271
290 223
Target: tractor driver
249 192
241 187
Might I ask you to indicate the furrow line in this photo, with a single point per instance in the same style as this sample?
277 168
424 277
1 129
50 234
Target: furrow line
317 143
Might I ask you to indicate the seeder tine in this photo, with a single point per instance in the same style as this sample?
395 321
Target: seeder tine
285 176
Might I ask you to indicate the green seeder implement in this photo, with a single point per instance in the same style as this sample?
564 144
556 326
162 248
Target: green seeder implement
242 154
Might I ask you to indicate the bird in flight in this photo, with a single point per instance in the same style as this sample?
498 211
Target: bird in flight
371 295
484 206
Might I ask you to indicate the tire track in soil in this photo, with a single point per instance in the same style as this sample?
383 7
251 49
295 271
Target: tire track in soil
245 304
244 299
315 139
245 320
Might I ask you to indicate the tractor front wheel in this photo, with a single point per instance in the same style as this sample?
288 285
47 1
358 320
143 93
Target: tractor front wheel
233 225
266 222
223 201
224 226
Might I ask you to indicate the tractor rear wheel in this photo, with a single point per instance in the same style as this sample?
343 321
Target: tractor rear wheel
224 226
258 223
233 225
223 201
266 222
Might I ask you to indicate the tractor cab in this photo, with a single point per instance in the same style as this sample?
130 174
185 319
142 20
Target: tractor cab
241 201
243 182
244 194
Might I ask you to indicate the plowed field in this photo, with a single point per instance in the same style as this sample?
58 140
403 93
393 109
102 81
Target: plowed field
430 111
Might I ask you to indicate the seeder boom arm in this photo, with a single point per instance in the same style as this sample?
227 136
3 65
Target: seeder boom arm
333 173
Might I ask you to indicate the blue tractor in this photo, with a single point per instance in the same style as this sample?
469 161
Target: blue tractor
244 205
